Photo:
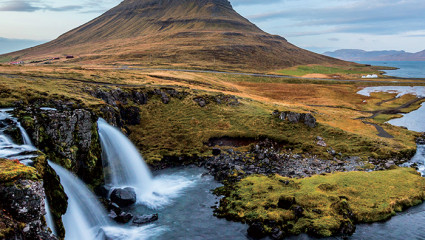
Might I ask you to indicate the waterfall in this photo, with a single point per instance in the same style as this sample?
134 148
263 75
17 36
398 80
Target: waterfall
26 139
125 166
49 217
85 215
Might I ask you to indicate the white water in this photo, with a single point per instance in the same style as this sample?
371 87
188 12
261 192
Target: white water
85 217
25 138
10 150
49 217
125 167
85 214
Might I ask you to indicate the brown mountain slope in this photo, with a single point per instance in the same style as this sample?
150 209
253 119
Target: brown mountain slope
187 33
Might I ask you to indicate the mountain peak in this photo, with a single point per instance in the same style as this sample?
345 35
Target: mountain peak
192 33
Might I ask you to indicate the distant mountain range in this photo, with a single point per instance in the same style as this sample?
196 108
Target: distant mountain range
361 55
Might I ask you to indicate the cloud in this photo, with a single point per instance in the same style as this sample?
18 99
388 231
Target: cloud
349 16
26 6
18 6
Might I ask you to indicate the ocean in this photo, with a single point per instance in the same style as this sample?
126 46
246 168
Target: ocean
406 69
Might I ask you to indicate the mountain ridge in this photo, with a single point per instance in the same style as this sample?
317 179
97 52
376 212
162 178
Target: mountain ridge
180 33
386 55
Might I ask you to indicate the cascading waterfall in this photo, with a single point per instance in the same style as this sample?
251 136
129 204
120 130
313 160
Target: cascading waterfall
125 167
85 217
25 138
23 153
125 164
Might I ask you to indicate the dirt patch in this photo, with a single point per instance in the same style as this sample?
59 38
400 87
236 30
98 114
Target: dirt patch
316 75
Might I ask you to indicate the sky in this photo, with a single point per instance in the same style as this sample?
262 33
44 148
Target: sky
317 25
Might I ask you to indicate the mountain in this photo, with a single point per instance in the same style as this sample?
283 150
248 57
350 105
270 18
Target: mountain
181 33
361 55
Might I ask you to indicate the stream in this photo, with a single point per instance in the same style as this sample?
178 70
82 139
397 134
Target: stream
182 196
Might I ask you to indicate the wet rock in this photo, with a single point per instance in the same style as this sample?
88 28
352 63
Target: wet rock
123 217
123 196
140 220
256 230
277 234
115 208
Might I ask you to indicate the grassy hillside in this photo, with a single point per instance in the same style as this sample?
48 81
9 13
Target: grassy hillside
182 127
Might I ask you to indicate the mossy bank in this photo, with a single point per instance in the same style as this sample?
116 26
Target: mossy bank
322 205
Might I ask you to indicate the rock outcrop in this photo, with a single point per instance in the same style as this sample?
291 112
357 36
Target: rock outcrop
68 137
22 203
294 117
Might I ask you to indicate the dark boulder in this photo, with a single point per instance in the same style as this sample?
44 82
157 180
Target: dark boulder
309 120
256 230
201 101
298 211
277 233
140 220
140 97
286 202
216 151
123 196
293 117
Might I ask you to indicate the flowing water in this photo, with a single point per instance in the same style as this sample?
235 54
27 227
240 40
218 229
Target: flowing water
125 167
85 217
24 153
49 217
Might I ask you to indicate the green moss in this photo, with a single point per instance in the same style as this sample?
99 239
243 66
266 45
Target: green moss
11 170
328 201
